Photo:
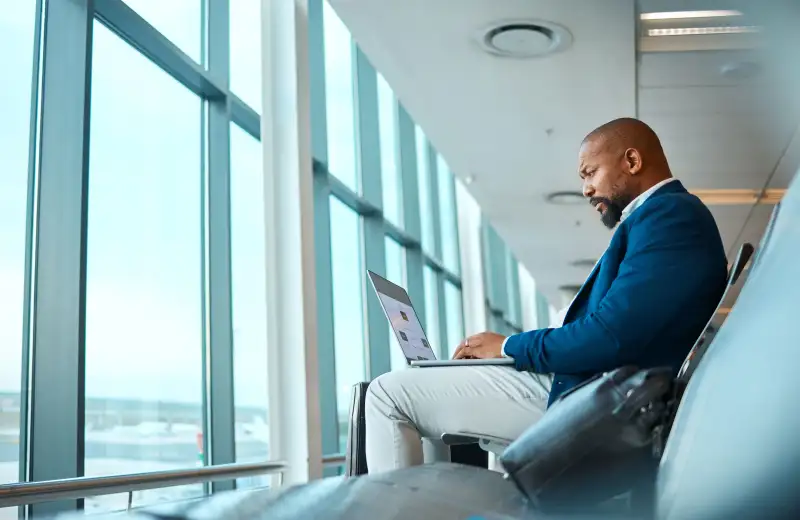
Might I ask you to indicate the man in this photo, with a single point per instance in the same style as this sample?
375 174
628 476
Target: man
644 304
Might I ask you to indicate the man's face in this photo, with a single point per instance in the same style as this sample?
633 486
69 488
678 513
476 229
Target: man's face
605 181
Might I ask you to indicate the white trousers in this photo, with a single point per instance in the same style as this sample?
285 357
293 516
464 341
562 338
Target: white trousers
405 406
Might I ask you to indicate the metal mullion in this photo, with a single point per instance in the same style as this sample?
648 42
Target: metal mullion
58 357
378 355
322 235
400 236
415 284
134 29
443 332
244 116
220 412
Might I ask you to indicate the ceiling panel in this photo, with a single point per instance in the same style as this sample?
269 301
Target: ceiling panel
692 69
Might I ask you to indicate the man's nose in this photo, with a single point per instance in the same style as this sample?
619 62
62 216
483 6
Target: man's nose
588 190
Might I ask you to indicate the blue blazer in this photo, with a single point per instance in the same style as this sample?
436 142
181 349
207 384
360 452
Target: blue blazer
646 301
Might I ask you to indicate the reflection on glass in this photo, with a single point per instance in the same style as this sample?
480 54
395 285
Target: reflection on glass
143 290
348 319
339 98
17 20
249 299
396 273
447 215
432 312
245 51
425 199
181 21
390 163
455 319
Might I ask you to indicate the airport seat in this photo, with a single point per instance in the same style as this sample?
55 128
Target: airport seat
496 445
732 452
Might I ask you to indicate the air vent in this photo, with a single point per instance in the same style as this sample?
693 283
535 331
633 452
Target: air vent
523 38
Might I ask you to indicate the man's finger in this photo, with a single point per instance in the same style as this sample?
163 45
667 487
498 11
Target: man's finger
459 349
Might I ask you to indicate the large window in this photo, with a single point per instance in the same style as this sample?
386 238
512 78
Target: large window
432 329
179 20
249 298
447 215
425 195
245 50
396 273
17 20
144 326
339 97
348 319
455 319
390 164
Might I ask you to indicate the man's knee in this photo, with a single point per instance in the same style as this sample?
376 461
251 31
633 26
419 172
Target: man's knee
383 393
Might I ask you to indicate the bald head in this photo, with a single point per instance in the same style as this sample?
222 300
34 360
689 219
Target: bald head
617 162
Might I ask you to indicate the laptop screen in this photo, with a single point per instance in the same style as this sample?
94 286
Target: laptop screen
403 319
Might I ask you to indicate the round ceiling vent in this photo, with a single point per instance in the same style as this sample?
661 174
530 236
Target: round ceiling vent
524 38
566 198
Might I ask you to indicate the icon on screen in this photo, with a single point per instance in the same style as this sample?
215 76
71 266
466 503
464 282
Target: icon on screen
404 315
403 335
425 343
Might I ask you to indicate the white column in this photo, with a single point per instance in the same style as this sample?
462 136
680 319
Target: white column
472 287
294 415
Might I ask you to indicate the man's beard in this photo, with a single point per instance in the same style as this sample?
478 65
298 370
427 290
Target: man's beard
614 207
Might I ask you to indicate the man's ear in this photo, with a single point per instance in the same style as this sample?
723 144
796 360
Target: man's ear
633 161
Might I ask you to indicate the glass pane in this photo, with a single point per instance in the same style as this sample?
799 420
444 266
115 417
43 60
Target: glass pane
432 311
340 98
17 20
447 215
425 199
396 273
245 51
144 325
455 319
249 300
348 319
390 163
179 20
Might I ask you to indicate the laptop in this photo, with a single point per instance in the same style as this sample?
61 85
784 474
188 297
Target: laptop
404 321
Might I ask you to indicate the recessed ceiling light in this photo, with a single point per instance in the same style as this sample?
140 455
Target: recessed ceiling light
694 31
469 179
584 263
566 198
682 15
523 38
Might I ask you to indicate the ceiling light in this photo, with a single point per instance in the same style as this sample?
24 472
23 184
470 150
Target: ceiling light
694 31
566 198
523 38
733 197
584 263
680 15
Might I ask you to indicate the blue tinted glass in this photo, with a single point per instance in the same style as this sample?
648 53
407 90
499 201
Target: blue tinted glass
396 273
245 51
425 197
340 98
181 21
17 21
432 329
454 314
348 319
144 326
447 215
249 300
390 161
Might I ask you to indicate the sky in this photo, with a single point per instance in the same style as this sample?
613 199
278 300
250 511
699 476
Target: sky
144 299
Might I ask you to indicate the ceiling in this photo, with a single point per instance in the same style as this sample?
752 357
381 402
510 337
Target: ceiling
515 125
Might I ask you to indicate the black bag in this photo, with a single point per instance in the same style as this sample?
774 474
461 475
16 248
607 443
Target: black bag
595 442
356 455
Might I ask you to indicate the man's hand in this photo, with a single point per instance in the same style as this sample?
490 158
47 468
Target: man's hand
485 345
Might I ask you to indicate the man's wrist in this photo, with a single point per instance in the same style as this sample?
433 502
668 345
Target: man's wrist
503 349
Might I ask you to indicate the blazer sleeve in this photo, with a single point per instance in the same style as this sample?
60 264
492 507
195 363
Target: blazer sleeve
667 266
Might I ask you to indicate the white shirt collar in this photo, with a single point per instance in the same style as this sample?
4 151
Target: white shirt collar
638 201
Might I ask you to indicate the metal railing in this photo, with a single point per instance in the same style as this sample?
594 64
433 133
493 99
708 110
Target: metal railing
25 493
333 460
